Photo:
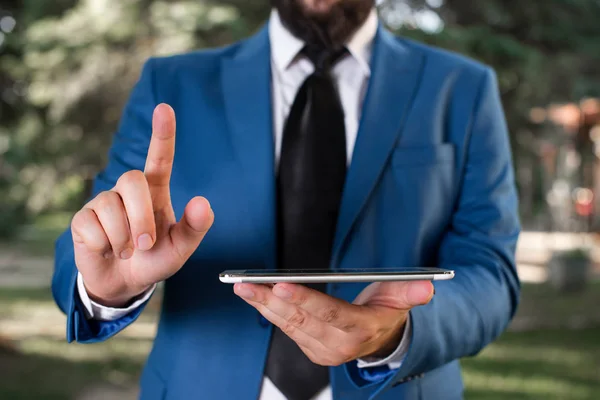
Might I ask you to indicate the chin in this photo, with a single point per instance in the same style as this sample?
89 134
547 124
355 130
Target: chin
318 7
326 22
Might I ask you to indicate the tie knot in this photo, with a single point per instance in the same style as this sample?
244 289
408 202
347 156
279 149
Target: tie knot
323 58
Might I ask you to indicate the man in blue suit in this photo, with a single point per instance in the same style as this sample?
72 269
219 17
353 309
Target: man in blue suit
321 142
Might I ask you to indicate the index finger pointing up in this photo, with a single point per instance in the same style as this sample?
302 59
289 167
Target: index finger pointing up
161 152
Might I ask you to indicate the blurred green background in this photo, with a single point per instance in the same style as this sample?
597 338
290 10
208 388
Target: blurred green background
66 68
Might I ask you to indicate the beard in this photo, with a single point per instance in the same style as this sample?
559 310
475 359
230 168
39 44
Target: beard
330 29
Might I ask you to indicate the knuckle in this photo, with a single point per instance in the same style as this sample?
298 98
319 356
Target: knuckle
106 201
131 178
288 329
180 252
349 326
161 159
298 318
335 362
79 219
348 351
301 299
98 247
367 336
322 361
330 313
262 300
81 233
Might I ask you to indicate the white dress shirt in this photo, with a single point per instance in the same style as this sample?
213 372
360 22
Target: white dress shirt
289 70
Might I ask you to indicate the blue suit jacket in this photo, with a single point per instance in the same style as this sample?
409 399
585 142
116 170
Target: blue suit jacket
430 184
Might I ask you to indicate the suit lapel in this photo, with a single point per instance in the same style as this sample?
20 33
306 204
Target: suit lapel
396 72
246 83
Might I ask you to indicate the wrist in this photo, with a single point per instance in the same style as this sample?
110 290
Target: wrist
122 300
389 343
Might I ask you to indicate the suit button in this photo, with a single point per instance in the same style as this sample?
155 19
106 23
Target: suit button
408 379
263 321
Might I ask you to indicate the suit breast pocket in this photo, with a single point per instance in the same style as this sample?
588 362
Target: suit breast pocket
411 206
407 156
424 173
420 188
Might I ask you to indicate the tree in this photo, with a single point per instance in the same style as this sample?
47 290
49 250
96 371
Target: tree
69 65
69 69
544 52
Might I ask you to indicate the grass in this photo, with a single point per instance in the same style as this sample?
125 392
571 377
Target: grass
32 375
546 308
551 352
11 296
534 364
37 363
544 364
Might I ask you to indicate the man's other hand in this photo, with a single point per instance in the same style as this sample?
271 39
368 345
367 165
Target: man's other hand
331 331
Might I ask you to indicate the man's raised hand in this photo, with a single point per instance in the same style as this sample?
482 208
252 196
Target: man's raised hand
127 239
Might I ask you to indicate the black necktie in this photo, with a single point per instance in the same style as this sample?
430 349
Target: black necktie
311 178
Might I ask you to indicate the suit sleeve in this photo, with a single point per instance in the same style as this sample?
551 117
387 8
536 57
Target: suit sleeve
473 309
128 152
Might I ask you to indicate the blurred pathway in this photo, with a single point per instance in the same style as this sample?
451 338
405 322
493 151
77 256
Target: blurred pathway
535 249
22 271
28 320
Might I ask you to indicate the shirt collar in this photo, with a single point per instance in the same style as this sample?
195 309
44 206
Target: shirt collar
285 46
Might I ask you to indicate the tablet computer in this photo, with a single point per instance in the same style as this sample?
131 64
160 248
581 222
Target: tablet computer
339 275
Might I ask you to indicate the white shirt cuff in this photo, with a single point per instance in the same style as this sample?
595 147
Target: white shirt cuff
99 312
394 360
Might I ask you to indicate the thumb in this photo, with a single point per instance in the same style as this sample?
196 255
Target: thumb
399 295
419 293
197 219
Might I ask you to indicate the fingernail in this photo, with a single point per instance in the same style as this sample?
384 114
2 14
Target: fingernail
212 212
145 242
244 292
282 293
126 254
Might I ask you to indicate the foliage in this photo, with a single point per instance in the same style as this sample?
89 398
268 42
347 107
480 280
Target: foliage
544 52
68 73
575 254
68 66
